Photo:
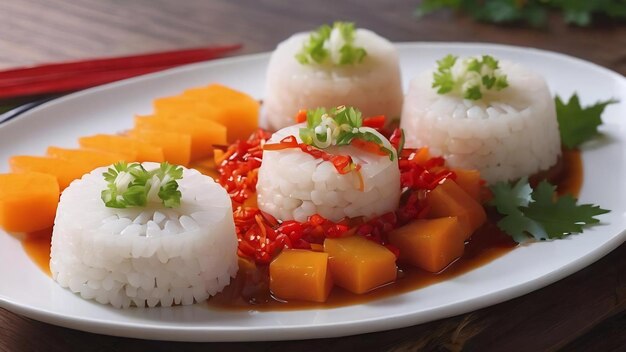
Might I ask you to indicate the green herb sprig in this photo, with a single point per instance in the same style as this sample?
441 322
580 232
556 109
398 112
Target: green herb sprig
473 77
315 50
578 124
337 127
538 214
128 185
532 12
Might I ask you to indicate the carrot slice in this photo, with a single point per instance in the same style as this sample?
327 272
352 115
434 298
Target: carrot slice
176 146
204 133
65 171
367 146
121 144
237 111
28 201
95 158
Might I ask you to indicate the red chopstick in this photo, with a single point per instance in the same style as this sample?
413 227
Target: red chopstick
71 76
75 82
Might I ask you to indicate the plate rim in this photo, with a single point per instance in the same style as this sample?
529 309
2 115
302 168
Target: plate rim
174 333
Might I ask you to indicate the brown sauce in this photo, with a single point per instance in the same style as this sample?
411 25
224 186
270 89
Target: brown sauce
250 289
37 247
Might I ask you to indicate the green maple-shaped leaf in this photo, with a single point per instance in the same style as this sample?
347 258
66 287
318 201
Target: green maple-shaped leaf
560 216
539 213
578 124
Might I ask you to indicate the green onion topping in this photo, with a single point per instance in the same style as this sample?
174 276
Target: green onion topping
469 77
131 185
332 44
338 126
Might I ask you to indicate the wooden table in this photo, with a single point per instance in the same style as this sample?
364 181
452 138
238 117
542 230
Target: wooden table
585 311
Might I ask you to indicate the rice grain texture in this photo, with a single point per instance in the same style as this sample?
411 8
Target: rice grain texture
144 256
506 135
294 185
372 86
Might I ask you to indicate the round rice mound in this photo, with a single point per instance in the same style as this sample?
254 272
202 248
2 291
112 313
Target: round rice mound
373 86
293 185
144 256
506 135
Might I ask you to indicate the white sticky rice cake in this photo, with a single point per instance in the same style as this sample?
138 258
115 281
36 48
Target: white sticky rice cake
506 135
373 86
294 185
144 256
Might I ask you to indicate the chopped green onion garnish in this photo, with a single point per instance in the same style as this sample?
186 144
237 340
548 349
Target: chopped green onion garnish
334 44
129 185
469 77
338 126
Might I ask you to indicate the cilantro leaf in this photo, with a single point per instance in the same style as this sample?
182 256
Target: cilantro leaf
562 216
538 213
508 199
578 124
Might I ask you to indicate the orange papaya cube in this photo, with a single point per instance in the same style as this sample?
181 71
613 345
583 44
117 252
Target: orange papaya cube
28 201
298 274
358 264
238 111
122 144
470 182
94 158
449 199
429 244
204 133
176 146
65 171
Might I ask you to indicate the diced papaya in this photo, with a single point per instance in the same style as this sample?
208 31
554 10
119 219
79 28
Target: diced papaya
449 199
237 111
65 171
430 244
176 146
470 182
28 201
94 158
203 132
298 274
122 144
358 264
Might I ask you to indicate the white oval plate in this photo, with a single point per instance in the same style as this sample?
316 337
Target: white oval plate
28 291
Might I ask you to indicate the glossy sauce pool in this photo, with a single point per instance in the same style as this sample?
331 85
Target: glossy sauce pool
249 290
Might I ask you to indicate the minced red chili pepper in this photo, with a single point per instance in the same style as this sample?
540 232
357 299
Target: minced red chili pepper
377 122
261 236
240 164
342 163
